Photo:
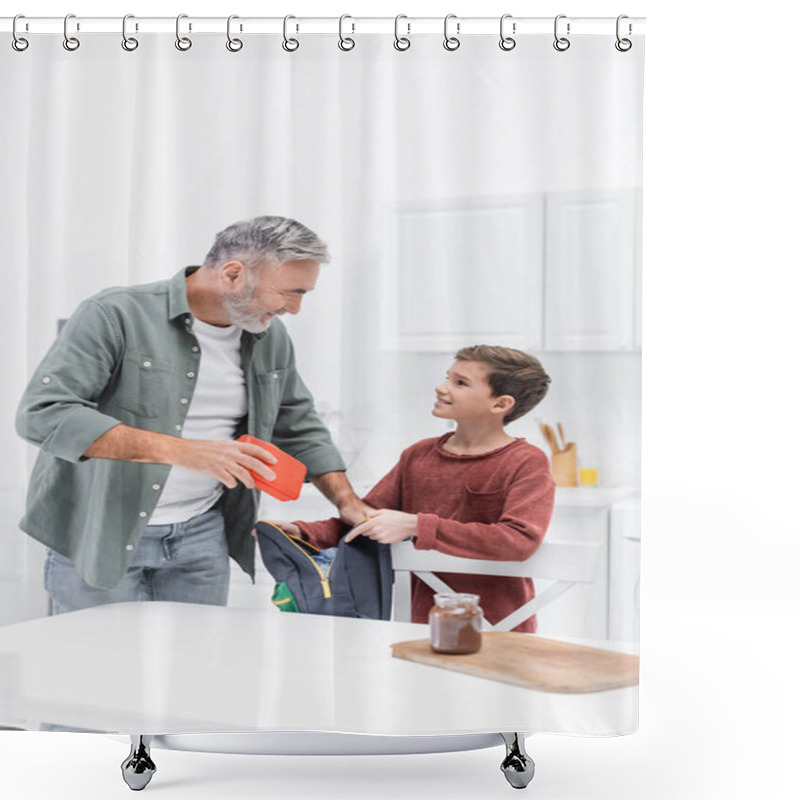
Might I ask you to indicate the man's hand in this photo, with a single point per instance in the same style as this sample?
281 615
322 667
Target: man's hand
224 460
336 487
386 526
355 512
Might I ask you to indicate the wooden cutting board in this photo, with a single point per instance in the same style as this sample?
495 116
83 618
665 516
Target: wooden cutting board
533 663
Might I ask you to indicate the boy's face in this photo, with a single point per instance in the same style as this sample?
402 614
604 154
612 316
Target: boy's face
465 394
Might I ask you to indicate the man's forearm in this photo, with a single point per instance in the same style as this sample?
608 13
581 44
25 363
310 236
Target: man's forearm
226 460
124 443
336 487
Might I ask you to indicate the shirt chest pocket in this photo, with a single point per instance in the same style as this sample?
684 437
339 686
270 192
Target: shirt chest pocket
266 402
486 507
143 386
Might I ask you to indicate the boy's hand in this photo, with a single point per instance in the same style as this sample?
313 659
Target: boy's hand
286 527
386 526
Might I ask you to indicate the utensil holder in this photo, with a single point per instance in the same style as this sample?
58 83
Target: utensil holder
564 466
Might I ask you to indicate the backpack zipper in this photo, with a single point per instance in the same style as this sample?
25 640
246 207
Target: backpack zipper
323 576
282 602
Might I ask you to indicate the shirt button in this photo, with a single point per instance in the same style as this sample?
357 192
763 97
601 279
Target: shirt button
156 487
129 547
142 513
45 380
184 401
190 374
146 364
195 349
274 374
178 427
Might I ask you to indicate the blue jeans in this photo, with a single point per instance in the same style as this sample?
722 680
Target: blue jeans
186 562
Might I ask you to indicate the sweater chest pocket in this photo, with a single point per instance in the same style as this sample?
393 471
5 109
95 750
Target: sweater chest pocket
485 507
143 385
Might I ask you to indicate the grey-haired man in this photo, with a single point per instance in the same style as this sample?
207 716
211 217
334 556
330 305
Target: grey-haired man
140 491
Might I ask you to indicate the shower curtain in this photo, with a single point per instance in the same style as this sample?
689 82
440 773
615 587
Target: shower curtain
469 194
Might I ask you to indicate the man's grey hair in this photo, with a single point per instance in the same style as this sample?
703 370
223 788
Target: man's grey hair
266 239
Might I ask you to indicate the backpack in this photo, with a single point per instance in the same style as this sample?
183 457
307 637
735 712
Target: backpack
351 580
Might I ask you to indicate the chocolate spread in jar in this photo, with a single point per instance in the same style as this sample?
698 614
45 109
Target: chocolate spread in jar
455 621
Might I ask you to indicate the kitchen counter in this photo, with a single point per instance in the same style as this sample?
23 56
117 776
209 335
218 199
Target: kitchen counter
592 496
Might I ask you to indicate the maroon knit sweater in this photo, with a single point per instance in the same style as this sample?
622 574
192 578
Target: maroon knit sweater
494 506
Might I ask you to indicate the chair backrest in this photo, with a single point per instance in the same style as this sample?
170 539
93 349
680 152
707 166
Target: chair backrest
577 562
565 563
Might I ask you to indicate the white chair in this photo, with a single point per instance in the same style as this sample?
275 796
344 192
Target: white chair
566 563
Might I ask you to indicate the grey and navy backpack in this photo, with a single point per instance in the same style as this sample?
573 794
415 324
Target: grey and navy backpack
351 580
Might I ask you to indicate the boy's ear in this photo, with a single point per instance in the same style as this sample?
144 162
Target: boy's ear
503 404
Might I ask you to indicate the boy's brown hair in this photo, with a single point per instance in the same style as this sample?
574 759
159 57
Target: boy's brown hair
510 372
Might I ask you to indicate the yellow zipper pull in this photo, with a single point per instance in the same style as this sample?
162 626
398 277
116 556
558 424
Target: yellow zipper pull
326 589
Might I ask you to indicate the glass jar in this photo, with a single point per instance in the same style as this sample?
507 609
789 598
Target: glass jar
455 621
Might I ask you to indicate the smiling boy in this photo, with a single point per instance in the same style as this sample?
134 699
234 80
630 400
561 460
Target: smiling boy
476 492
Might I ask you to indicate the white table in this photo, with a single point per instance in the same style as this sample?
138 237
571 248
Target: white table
155 668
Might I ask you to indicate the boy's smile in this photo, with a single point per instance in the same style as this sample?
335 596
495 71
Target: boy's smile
465 393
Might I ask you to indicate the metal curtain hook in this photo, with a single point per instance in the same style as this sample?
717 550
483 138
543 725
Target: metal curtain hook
451 42
345 42
507 42
290 45
129 43
18 42
561 43
401 42
234 45
623 45
182 42
70 42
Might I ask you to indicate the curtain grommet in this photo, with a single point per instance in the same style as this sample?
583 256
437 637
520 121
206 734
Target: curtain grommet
183 43
233 44
129 43
70 43
401 43
19 43
507 43
561 43
451 43
289 44
623 44
346 43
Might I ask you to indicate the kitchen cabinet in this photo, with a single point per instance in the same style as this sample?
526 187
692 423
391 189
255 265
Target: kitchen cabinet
591 285
625 534
492 245
581 514
570 263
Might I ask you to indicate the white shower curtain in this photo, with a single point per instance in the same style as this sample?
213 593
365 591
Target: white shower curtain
473 196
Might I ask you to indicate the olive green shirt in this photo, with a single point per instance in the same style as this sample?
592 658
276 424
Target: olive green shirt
128 355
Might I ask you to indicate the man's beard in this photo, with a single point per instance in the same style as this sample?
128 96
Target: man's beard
237 307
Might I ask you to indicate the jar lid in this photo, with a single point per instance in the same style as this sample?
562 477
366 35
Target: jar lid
455 600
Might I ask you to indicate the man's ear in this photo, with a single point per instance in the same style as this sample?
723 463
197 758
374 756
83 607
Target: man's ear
503 404
233 274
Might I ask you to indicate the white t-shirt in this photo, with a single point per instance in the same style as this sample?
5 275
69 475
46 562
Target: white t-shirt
218 404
